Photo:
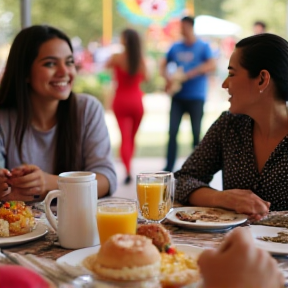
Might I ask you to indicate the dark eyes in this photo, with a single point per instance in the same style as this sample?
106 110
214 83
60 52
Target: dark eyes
51 64
70 62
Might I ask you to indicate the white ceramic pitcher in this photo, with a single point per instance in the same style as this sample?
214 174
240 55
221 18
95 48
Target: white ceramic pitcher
76 210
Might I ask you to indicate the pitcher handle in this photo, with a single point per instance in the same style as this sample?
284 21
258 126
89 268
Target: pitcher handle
50 217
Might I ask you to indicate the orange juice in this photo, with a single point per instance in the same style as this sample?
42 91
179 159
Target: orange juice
150 198
114 220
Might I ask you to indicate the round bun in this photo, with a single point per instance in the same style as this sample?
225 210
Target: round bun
159 235
126 257
123 250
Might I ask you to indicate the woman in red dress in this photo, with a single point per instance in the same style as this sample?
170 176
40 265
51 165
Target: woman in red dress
129 71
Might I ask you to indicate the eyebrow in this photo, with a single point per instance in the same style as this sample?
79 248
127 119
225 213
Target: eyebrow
53 58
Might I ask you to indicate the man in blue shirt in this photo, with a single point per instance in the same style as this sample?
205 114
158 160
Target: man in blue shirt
193 57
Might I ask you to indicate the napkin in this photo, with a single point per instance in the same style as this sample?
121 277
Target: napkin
12 276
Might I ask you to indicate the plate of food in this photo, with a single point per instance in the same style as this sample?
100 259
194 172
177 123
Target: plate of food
271 239
38 231
17 224
275 219
205 218
135 261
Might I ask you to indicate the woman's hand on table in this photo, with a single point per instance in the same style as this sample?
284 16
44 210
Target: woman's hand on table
30 178
29 183
241 201
4 186
246 202
238 263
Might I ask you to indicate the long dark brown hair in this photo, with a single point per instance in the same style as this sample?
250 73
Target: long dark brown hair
133 49
15 94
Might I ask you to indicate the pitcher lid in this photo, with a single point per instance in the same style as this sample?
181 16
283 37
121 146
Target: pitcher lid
77 176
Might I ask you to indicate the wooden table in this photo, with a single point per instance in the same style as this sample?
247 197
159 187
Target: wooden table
47 246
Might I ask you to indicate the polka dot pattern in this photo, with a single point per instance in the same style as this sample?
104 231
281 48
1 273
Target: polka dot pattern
228 146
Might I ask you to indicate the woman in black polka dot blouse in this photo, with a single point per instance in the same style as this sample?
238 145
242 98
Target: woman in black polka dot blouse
250 142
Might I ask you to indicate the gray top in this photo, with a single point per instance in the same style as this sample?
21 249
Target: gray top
38 147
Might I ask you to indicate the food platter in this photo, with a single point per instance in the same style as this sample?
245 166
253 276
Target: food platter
225 218
75 258
39 231
259 231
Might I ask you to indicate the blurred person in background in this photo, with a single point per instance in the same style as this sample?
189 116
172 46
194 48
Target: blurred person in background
249 143
129 71
194 60
45 128
259 27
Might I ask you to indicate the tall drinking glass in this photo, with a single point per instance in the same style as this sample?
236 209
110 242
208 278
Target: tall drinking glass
115 215
155 193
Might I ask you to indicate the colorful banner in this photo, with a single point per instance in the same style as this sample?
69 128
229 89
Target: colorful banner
147 12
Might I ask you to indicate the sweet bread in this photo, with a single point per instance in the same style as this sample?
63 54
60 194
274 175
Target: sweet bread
17 216
125 257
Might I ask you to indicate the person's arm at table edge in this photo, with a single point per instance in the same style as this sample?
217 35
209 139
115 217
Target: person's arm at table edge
103 185
207 197
239 200
196 173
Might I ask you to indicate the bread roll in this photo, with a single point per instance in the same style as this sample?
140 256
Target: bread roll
126 257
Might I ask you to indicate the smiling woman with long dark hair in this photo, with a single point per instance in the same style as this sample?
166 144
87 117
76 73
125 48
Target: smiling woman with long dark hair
47 129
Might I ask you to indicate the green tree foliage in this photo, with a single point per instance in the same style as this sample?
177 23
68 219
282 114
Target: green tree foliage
9 19
208 7
76 18
246 12
84 18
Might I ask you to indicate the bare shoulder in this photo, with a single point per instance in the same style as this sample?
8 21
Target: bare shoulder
115 60
111 61
118 57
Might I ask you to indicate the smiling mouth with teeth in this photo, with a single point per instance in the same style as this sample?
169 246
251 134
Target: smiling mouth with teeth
61 84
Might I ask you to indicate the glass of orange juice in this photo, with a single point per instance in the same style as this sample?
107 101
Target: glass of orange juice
155 193
115 216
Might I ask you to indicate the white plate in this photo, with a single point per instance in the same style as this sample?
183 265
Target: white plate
204 225
39 231
272 247
76 257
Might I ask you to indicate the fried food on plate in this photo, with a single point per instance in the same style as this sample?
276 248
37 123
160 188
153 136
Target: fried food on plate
177 268
15 218
159 235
